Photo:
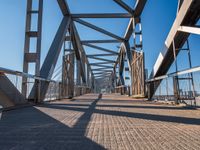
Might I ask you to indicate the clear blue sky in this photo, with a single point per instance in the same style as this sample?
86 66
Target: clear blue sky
157 20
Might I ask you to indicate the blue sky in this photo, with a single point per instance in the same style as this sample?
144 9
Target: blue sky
157 20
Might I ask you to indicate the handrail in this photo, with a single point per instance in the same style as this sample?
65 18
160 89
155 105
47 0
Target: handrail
22 74
191 70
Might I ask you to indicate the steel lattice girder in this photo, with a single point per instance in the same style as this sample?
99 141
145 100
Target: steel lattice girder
188 15
98 29
52 57
139 6
125 6
132 13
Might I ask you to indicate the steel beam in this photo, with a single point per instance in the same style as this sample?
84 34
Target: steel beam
191 30
63 7
188 15
98 29
104 15
76 41
102 59
179 73
54 51
121 67
102 76
103 68
32 57
93 55
139 6
124 6
103 72
52 57
99 41
78 50
101 48
129 54
100 65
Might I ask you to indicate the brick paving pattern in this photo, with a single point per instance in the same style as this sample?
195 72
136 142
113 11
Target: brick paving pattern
113 122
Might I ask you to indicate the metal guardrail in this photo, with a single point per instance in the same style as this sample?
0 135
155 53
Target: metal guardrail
22 74
54 89
181 86
192 70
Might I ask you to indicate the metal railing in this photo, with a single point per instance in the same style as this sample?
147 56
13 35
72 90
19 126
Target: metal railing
54 90
182 86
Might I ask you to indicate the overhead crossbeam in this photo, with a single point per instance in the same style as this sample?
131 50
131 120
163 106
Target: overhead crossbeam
102 59
93 55
98 29
191 30
97 63
99 41
103 68
102 73
105 71
139 6
101 48
102 64
124 6
103 15
102 76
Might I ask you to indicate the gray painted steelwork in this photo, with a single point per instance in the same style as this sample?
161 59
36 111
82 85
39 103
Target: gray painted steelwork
83 65
188 15
52 57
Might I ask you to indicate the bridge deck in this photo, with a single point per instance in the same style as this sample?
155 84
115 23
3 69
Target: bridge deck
113 122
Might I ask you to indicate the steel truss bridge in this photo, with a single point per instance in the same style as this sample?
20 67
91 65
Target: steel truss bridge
105 99
94 73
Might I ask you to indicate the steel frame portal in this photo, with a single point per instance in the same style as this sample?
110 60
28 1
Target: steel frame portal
86 75
33 38
187 15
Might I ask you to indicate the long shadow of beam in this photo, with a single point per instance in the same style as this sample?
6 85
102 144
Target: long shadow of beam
84 120
129 106
29 128
174 119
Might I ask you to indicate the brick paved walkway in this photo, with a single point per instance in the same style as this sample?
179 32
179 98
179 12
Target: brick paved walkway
114 122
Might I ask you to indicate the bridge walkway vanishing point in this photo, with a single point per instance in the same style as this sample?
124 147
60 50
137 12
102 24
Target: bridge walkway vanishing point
111 122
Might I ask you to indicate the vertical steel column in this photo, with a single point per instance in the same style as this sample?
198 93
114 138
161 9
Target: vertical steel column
64 77
50 61
32 57
88 75
68 69
78 77
71 75
175 79
88 78
137 64
191 74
